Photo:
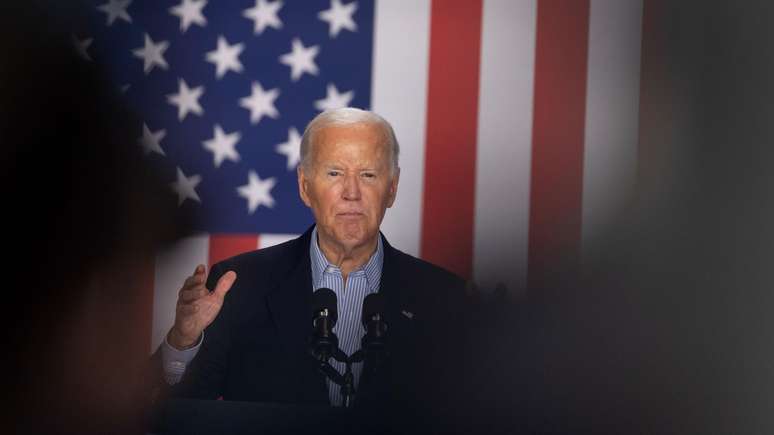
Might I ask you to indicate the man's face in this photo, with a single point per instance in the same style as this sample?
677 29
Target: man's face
349 183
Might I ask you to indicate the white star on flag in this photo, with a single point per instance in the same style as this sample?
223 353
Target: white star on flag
152 54
264 14
257 192
189 12
333 99
300 59
151 140
339 17
185 187
291 149
81 46
186 100
223 146
116 9
225 57
260 103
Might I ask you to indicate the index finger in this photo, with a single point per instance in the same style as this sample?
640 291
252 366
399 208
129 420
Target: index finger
224 283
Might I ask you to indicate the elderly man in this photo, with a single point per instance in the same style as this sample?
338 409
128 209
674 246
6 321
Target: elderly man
244 335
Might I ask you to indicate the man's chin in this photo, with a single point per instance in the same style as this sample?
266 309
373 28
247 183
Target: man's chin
352 238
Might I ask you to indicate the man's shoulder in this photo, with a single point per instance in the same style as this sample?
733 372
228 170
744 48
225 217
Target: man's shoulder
423 267
407 266
424 286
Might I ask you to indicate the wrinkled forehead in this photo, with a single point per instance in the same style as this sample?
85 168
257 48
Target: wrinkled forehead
368 138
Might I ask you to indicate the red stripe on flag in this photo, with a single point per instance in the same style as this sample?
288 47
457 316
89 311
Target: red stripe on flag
452 118
557 137
224 246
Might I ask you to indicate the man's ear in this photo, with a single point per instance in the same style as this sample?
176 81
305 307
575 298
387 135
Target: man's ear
303 186
392 193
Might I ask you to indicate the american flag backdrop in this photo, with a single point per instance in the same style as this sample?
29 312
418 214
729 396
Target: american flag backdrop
517 119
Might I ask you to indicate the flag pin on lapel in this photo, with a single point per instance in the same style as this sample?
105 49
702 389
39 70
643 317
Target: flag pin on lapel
408 314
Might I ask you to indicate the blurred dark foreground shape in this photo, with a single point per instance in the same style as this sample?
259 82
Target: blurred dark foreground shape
83 215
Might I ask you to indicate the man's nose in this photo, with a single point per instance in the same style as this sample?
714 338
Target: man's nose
351 188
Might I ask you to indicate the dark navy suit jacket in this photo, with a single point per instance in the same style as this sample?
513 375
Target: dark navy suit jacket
256 349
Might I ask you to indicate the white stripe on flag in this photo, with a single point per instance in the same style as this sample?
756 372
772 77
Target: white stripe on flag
501 224
172 267
612 109
399 94
266 240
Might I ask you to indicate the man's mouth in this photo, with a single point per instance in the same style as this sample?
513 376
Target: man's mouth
350 214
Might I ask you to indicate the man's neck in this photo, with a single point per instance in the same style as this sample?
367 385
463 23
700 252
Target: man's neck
346 259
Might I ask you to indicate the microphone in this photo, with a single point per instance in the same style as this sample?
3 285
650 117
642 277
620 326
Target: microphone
373 350
324 342
373 321
374 343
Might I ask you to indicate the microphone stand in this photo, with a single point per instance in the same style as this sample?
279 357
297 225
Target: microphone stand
347 381
372 352
348 386
373 349
324 344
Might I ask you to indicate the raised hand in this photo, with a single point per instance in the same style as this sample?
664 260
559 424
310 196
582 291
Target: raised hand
197 307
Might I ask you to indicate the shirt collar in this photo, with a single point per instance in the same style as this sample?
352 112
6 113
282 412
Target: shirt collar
372 269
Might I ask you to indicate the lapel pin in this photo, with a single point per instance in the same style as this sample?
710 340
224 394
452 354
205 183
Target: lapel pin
408 314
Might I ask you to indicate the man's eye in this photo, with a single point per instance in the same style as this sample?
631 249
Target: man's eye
369 175
333 173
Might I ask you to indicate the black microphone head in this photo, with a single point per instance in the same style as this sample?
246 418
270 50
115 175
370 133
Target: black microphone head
372 304
325 299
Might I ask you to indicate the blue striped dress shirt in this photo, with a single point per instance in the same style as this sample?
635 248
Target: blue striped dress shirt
360 283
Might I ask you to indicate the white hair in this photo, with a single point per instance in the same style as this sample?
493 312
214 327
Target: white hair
347 116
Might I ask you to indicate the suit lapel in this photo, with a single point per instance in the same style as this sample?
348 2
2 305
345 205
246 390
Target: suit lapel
290 305
398 297
291 300
388 285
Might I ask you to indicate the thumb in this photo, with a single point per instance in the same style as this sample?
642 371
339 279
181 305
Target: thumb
224 284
